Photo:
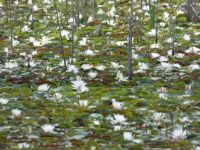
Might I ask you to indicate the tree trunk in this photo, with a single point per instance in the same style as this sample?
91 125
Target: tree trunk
61 38
192 10
130 72
77 20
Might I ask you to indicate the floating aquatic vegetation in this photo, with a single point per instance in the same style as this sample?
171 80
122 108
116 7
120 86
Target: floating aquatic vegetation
64 80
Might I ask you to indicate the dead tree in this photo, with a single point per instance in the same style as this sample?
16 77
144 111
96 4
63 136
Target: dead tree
73 31
77 19
61 38
192 9
130 72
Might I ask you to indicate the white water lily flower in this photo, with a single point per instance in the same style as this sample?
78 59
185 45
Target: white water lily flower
90 19
193 50
110 22
119 118
169 40
80 85
31 39
30 18
152 32
72 68
179 134
89 52
71 20
197 33
185 119
30 2
86 66
179 11
176 65
16 113
65 33
166 16
15 2
45 40
31 64
48 128
25 29
163 96
111 13
100 11
193 67
138 141
92 74
187 37
179 55
117 105
170 52
23 145
128 136
43 87
15 42
163 59
35 8
70 60
22 54
83 41
81 16
36 43
162 24
155 45
117 128
34 53
62 63
3 101
119 43
116 65
46 1
11 65
155 55
100 67
96 122
83 103
6 50
145 7
197 148
158 116
135 56
57 96
166 66
120 77
48 69
142 66
162 90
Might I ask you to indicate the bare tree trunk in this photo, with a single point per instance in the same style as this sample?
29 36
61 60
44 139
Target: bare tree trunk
189 10
73 28
82 9
77 20
172 36
61 38
192 10
66 6
86 2
94 8
130 72
11 24
6 9
15 13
